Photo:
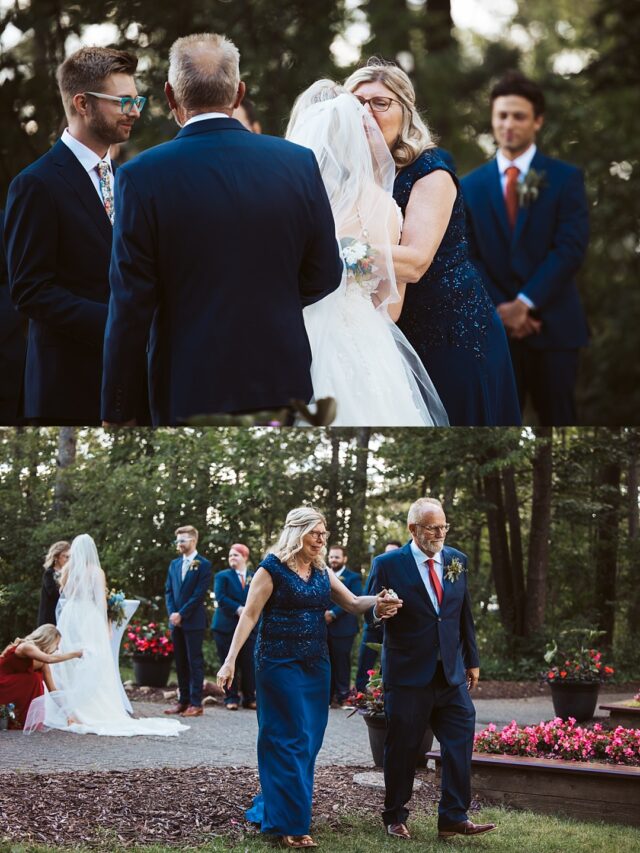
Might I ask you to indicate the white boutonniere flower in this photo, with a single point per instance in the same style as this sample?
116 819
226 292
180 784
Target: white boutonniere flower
529 188
454 570
194 565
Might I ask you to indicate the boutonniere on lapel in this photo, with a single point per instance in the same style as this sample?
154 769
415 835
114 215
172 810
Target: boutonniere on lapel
529 189
248 580
194 565
454 570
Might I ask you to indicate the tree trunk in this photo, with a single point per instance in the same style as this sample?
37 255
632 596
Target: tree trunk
438 26
540 530
333 486
515 540
357 546
64 460
606 547
499 549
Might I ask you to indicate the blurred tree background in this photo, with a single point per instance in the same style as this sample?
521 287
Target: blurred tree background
549 519
584 55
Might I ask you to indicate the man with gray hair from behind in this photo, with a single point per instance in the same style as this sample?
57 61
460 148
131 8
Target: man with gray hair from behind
224 237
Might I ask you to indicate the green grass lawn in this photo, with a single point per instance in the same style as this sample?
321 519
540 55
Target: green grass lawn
523 832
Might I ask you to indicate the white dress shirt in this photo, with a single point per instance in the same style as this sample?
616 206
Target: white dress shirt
88 159
186 563
522 162
204 117
421 562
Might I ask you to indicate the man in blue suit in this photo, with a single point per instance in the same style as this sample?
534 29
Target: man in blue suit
342 627
231 589
58 233
188 584
429 664
12 347
529 230
225 235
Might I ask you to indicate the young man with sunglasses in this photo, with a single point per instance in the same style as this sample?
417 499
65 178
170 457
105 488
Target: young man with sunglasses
58 233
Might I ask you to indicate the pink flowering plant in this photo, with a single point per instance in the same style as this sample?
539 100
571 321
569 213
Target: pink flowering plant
371 701
574 660
151 639
560 739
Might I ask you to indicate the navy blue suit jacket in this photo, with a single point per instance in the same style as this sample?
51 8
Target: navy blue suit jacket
221 237
13 346
230 595
415 635
345 624
58 242
188 598
542 255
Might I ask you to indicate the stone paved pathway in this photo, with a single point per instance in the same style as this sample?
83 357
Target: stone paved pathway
219 738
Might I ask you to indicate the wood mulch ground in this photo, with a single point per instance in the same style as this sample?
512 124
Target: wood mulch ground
173 807
485 690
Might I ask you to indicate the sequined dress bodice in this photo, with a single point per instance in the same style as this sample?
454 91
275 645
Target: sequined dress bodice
293 624
449 306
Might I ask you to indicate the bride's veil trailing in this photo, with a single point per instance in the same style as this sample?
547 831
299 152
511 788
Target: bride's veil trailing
358 172
82 577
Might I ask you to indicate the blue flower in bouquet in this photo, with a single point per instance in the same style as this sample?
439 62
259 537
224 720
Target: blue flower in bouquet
115 607
358 258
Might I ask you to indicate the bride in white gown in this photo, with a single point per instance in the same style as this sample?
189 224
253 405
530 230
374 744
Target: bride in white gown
88 698
359 356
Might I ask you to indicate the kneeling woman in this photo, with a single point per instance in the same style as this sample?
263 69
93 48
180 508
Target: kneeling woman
292 588
24 669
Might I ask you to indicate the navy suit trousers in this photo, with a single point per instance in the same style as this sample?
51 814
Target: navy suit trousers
450 712
549 377
187 650
244 680
340 657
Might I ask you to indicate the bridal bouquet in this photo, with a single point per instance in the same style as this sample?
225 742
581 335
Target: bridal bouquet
358 258
115 607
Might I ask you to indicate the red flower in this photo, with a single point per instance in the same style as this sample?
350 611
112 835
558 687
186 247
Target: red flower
551 674
563 673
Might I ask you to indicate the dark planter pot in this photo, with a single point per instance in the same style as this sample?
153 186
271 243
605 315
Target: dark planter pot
4 724
576 699
377 728
150 671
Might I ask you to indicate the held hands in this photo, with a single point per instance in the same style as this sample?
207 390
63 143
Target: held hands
517 320
473 677
225 675
387 604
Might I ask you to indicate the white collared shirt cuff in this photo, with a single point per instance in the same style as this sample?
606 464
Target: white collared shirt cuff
523 298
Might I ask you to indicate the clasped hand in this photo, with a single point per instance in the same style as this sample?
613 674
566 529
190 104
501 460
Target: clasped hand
387 604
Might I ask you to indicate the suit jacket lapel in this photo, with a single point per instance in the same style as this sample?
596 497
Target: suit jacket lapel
496 198
524 212
446 585
414 576
77 178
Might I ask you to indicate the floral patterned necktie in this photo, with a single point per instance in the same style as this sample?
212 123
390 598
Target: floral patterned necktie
104 172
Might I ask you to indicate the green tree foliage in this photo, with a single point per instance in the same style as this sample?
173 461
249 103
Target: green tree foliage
130 490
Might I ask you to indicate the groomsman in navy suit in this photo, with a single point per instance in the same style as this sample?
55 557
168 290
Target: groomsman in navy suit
12 347
58 232
224 236
342 627
529 230
231 588
429 665
187 587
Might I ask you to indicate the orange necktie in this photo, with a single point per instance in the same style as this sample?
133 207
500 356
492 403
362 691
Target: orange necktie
511 194
435 581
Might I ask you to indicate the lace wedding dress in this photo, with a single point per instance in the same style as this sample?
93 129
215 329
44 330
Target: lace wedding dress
88 698
359 356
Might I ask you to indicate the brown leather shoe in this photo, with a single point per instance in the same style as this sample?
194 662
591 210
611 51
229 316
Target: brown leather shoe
465 827
398 830
192 711
178 708
250 706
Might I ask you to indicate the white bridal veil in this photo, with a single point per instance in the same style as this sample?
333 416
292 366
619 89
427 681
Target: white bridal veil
88 698
358 172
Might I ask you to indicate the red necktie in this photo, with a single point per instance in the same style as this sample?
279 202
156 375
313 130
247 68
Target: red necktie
435 582
511 194
242 580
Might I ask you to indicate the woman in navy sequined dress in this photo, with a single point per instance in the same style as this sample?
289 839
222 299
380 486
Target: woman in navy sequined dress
447 315
292 589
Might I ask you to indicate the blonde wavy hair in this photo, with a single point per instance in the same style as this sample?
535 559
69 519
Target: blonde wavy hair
299 521
415 137
54 552
46 638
